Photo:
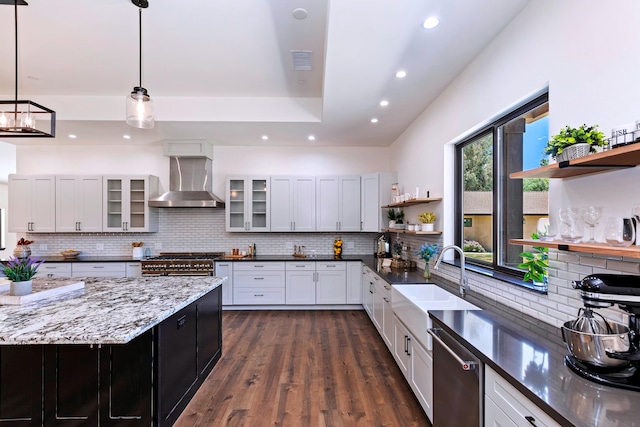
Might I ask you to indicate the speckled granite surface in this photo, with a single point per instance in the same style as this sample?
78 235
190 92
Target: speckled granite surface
106 311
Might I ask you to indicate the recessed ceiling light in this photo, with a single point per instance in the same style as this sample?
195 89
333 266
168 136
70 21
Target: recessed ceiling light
374 120
126 136
311 138
265 137
300 13
72 136
401 74
384 103
430 22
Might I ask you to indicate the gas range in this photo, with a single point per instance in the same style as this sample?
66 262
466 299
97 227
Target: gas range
181 264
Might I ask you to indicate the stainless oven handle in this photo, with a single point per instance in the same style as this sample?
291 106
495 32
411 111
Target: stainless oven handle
468 365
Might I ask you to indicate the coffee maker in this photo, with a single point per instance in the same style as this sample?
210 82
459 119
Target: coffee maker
601 291
382 246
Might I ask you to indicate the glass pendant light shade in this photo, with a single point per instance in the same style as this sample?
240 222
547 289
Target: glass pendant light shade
140 109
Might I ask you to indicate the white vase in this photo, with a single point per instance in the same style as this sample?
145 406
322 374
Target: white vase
20 288
392 224
427 227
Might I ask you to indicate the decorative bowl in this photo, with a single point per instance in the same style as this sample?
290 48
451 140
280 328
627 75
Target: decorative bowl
70 253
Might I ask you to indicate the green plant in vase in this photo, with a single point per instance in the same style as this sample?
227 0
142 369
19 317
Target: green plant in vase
536 262
426 252
569 136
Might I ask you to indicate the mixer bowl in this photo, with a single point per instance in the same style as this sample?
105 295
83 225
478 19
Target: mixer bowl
592 348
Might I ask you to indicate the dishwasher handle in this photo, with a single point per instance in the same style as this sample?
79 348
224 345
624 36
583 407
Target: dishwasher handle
466 365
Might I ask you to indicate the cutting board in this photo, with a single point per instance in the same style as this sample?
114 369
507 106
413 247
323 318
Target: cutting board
236 256
41 290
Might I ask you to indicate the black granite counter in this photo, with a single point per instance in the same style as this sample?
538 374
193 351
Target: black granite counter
82 258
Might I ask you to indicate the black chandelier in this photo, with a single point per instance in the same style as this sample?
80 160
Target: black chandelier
23 118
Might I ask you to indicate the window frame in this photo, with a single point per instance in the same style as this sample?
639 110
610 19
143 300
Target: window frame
499 203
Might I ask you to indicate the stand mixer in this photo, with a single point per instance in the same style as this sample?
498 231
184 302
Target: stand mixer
614 350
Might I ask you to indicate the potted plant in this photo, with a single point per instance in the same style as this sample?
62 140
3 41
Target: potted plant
426 252
20 271
427 219
396 249
536 262
589 136
395 217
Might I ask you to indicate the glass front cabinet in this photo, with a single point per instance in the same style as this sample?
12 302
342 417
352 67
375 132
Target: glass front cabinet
247 205
126 206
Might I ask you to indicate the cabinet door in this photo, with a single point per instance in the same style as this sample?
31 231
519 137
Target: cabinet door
71 385
32 204
134 269
259 204
126 383
235 209
209 338
401 346
115 195
137 206
300 285
78 204
349 203
98 269
327 203
354 282
421 376
304 204
281 203
125 204
367 293
331 287
378 307
54 269
21 379
370 203
387 320
224 269
494 416
248 206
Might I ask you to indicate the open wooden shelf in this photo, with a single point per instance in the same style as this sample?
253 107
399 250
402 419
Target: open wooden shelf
413 202
393 230
595 248
627 156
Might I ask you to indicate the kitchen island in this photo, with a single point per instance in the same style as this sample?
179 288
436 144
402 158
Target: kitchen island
126 352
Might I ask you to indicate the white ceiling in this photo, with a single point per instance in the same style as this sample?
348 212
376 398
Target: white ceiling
222 70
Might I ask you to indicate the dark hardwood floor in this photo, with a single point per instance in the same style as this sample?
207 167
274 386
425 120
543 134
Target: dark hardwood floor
303 368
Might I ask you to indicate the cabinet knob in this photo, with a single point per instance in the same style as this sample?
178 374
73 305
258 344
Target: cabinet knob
531 420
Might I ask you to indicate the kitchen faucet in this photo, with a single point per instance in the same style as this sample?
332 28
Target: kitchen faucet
464 284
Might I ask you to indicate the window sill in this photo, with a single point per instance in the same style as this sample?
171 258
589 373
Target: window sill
499 276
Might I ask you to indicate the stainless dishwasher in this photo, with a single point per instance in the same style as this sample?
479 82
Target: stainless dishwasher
457 383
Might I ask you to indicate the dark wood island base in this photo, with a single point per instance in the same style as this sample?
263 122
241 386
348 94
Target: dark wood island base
146 382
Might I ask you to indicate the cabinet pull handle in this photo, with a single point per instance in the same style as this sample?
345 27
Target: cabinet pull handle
98 266
408 352
258 266
258 295
531 420
331 266
385 299
258 278
294 225
406 344
299 266
387 287
181 321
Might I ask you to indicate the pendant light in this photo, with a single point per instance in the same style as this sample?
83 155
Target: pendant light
23 118
139 103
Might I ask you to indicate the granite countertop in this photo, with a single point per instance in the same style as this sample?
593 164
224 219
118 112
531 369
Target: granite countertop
82 258
106 311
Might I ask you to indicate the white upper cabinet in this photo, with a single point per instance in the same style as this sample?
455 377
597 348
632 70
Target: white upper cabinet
293 203
32 204
126 206
78 204
338 203
248 203
375 192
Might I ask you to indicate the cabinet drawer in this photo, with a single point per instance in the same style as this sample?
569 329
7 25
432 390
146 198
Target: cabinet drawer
331 266
255 296
258 266
91 267
513 403
58 269
270 279
301 266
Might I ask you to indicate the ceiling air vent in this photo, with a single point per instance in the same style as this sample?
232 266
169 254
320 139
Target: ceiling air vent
301 60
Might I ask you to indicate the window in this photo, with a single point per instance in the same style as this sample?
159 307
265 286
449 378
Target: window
491 208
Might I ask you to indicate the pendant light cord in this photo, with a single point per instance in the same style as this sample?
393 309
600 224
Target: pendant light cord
140 42
16 51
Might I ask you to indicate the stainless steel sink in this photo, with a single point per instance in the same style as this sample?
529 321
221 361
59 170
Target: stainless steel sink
412 303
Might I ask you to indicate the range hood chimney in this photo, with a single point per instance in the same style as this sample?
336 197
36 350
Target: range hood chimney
190 173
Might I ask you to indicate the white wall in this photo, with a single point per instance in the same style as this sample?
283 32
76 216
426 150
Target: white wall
7 166
584 50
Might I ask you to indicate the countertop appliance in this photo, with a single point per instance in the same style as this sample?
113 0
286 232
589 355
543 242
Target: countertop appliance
181 264
605 290
381 247
458 376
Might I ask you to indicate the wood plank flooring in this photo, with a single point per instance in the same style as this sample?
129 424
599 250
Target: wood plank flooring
303 368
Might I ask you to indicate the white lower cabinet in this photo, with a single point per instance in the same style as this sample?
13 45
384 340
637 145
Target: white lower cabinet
416 364
134 269
98 269
259 283
54 269
301 283
331 283
505 406
225 269
367 291
354 282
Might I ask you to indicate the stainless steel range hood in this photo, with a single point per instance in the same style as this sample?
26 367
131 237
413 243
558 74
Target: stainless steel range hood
189 185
